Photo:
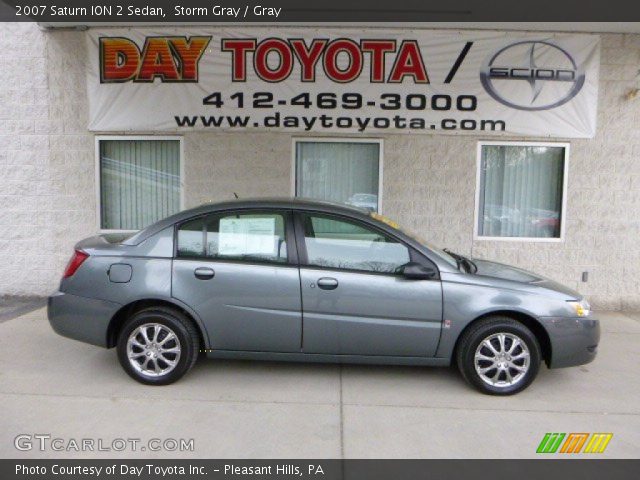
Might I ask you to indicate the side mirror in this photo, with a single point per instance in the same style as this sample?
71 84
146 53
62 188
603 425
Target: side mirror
417 271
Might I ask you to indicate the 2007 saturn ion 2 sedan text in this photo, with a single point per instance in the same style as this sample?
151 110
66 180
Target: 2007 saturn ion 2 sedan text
291 279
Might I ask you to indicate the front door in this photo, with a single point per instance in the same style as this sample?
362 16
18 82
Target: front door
353 301
237 271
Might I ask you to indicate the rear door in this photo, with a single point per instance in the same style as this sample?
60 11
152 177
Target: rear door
353 301
238 270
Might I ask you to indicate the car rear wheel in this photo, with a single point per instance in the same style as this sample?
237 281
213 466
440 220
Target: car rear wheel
499 356
157 346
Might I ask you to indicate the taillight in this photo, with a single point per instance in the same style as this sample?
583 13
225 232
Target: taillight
76 260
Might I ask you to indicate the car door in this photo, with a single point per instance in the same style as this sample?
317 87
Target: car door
353 301
238 270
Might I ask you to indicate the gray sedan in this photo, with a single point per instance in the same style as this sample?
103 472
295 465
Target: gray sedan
298 280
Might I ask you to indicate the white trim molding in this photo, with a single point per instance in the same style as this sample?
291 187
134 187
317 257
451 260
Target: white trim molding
379 141
98 189
563 212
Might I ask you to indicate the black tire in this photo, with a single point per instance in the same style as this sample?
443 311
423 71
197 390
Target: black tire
484 329
187 339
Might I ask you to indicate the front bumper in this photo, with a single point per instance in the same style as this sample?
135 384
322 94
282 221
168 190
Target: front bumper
574 341
81 318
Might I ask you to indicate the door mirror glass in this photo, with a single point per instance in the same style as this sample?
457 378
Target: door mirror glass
417 271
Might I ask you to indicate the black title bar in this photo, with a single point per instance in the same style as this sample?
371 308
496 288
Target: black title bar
272 11
543 469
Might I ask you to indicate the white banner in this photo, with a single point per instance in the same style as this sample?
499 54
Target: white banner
343 80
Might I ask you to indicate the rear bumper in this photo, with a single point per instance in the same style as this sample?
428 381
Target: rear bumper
80 318
574 341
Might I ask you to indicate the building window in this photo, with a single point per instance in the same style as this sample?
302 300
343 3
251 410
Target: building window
521 190
347 171
139 180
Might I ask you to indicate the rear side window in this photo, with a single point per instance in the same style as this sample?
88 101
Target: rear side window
247 236
191 238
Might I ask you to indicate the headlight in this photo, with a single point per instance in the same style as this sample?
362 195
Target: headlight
582 308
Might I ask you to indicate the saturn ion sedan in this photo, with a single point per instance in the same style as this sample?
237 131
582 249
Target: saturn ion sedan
299 280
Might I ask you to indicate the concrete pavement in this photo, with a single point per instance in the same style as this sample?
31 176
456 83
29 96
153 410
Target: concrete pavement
70 390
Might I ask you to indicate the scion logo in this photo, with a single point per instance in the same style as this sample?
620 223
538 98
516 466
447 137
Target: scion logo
532 75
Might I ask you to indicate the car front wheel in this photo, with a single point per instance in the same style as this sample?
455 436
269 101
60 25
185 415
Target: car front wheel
157 346
499 356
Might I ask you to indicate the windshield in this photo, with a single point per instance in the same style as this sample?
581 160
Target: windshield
436 250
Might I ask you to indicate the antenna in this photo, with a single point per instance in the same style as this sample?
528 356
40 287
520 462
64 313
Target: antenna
235 195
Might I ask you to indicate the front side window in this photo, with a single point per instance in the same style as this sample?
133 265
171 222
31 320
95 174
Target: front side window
521 191
343 172
258 237
139 182
341 244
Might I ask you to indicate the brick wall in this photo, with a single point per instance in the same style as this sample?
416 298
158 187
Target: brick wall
25 185
47 175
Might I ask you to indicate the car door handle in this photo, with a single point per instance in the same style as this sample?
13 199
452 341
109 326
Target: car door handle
327 283
204 273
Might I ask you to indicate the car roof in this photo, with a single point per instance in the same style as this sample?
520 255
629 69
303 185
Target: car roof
285 203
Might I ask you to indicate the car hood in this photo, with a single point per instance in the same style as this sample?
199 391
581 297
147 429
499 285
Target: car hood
519 275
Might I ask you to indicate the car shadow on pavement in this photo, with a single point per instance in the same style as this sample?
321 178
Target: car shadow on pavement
14 306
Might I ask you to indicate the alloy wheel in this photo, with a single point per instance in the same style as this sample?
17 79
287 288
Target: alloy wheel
502 360
153 349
